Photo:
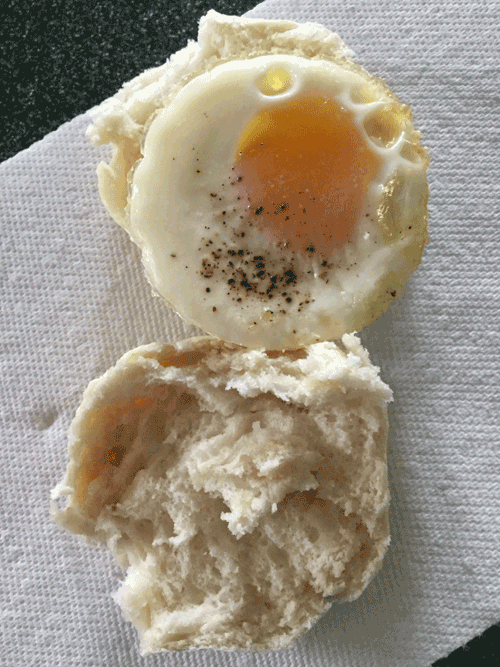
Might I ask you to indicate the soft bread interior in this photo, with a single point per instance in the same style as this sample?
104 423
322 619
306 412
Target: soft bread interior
243 491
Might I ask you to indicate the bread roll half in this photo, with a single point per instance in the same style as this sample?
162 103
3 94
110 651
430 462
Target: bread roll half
243 491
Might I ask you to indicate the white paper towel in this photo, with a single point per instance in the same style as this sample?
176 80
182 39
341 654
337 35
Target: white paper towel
74 299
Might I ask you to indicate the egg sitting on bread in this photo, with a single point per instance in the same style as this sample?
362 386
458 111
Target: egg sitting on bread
277 191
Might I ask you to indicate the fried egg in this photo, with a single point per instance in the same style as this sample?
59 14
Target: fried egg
279 200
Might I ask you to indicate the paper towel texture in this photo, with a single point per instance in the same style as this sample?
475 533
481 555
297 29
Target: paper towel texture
74 299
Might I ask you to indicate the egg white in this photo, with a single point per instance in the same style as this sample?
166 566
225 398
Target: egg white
182 209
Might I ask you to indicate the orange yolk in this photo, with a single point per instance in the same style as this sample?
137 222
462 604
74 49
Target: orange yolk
304 168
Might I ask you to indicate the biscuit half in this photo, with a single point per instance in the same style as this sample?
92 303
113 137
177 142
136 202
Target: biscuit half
243 491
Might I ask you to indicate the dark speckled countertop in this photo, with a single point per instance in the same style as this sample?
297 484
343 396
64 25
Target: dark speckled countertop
61 57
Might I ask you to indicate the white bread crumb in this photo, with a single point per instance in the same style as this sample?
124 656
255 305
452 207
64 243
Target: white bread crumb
243 491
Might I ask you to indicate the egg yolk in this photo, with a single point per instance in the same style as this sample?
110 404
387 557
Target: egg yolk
304 167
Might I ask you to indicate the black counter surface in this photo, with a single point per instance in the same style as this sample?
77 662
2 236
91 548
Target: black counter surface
61 57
